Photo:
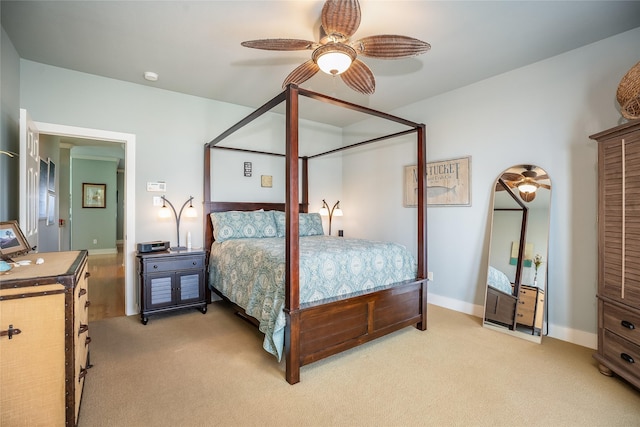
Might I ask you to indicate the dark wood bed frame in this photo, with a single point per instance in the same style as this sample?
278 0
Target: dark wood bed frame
321 329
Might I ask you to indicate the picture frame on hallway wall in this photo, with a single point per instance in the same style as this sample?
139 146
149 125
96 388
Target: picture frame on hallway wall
94 195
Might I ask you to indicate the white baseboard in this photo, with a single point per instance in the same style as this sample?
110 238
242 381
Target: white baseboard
574 336
107 251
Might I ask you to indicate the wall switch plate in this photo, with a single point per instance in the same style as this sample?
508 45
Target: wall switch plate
157 201
430 276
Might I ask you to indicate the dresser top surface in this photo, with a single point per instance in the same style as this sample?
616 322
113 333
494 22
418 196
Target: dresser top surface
55 264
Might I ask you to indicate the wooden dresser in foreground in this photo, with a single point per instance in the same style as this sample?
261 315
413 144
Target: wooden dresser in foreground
44 342
619 251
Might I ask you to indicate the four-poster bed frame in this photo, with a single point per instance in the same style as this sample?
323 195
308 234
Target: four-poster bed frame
321 329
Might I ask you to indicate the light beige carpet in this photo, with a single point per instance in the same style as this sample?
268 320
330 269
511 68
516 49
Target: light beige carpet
190 369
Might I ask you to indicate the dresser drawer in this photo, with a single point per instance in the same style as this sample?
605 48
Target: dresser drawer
172 264
622 354
622 322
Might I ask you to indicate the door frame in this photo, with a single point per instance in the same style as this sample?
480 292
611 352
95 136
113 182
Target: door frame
129 141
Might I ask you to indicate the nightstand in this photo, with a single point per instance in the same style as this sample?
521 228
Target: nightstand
171 280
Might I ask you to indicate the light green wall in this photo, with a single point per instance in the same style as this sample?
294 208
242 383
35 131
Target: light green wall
9 127
91 224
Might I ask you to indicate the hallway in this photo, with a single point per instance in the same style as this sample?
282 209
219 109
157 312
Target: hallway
106 285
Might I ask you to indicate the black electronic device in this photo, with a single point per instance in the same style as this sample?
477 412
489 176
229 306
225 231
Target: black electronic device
157 246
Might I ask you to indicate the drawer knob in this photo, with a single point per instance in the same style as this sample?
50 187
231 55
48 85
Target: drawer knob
628 325
155 265
87 304
82 292
194 263
627 358
87 275
87 340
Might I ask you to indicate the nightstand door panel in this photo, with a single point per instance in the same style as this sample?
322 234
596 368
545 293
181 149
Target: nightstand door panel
189 288
159 290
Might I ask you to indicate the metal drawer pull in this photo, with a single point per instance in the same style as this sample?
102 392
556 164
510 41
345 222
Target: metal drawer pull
83 291
155 265
627 324
87 304
87 274
627 358
87 340
10 332
82 374
83 328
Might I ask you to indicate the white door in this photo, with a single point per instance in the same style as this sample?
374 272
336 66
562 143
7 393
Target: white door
29 177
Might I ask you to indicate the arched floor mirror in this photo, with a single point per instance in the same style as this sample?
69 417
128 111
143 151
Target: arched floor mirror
517 271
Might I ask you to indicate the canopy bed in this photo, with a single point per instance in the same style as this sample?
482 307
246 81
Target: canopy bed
320 326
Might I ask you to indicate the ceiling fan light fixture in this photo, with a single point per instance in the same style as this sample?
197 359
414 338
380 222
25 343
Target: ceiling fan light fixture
527 187
334 58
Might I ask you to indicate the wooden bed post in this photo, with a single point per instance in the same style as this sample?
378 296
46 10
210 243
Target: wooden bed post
292 257
422 220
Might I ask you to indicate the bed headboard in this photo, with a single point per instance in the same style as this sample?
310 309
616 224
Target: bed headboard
237 206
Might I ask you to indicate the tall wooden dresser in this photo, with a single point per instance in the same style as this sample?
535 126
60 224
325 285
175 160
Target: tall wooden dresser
619 251
44 342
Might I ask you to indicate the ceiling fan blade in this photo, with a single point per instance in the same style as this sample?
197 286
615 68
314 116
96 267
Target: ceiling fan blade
341 16
541 177
390 46
510 176
302 73
280 44
547 186
360 78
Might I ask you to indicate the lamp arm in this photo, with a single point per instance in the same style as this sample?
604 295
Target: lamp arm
177 216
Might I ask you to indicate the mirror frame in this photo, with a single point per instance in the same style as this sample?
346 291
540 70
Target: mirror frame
512 327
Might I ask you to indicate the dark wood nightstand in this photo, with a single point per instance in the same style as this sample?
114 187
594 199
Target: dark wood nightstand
171 280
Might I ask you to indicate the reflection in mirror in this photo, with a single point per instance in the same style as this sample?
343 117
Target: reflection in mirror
517 272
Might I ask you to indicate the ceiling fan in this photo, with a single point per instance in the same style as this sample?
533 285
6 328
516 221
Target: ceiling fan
336 54
526 182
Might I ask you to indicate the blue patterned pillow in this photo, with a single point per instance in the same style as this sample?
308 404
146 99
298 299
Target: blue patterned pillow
242 225
310 224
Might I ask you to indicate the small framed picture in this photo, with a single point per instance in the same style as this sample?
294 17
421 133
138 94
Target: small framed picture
12 241
94 195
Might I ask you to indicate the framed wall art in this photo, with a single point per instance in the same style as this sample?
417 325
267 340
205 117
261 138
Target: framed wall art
94 195
449 182
410 193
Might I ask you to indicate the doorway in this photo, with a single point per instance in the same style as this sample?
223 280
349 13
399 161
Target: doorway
127 142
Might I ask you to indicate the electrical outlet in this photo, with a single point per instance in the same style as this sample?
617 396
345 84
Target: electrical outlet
430 276
95 241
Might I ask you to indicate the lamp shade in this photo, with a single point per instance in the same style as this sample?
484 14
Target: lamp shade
324 211
164 212
334 63
527 187
334 58
337 212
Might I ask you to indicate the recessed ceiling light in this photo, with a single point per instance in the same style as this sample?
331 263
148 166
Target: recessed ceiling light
151 76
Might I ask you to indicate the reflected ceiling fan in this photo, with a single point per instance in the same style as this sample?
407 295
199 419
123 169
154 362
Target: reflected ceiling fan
526 182
335 54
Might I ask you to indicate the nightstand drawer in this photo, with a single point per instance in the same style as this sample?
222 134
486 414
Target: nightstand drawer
622 353
622 322
172 264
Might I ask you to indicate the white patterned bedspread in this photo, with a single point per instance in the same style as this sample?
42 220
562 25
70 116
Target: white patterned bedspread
250 272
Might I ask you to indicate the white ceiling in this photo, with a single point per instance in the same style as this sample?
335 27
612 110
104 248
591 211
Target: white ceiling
195 45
